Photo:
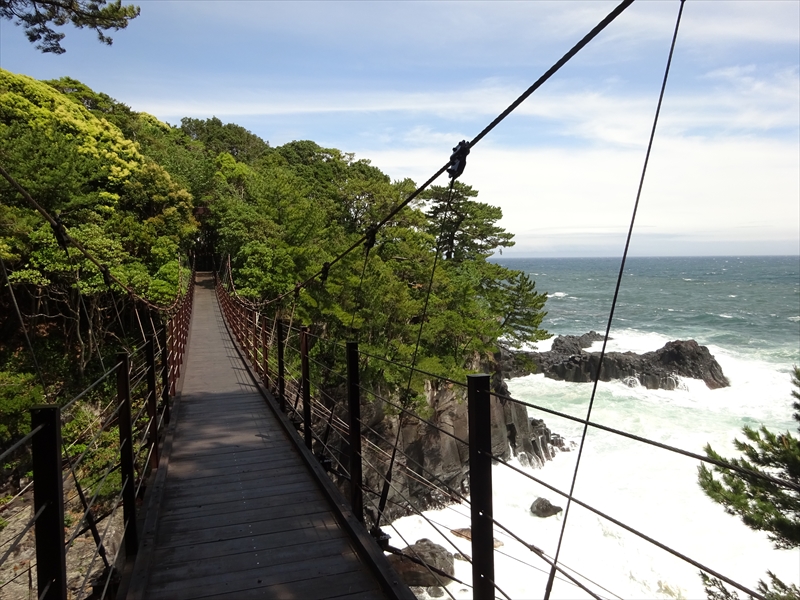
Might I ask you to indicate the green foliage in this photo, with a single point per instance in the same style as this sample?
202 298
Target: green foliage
18 393
40 16
244 146
97 454
466 227
762 505
774 590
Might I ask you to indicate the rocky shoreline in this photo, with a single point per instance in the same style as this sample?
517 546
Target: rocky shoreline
663 369
427 452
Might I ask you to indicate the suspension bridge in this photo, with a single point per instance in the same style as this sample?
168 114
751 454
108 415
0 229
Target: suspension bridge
243 467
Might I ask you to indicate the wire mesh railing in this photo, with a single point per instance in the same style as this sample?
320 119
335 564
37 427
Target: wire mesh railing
68 530
324 396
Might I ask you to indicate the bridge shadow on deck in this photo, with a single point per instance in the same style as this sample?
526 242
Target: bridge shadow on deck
240 515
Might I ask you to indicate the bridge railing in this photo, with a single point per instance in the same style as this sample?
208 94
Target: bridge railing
316 382
83 493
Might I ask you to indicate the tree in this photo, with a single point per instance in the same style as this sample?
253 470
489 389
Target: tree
466 227
761 504
243 145
39 16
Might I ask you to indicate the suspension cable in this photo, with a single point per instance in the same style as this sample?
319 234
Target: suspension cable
549 587
524 96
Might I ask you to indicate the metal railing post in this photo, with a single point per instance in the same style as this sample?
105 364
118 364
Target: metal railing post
354 406
165 374
306 382
171 353
480 486
264 354
48 492
152 401
255 340
126 455
281 370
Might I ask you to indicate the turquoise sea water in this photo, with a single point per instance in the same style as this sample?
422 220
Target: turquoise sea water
747 311
747 304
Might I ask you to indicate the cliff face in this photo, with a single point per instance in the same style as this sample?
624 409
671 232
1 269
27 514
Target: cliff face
427 454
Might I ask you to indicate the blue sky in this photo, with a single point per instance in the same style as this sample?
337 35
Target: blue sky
400 83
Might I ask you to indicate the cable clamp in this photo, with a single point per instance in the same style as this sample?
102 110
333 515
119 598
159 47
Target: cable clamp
370 233
458 159
106 275
59 231
323 277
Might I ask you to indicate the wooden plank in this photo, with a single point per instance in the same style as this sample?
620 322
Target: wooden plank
252 472
250 560
180 512
186 523
212 552
221 455
244 458
315 574
318 520
226 496
234 482
353 584
196 474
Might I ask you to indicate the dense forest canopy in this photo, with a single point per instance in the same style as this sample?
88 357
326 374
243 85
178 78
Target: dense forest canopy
127 186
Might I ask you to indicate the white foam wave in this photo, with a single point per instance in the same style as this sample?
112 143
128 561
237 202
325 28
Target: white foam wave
795 319
558 295
631 340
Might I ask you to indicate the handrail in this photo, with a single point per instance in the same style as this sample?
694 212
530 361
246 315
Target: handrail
55 469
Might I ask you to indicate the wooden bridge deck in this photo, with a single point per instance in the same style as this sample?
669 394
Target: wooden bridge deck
240 514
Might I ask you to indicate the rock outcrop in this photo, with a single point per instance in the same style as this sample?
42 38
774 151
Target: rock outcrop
661 369
542 507
433 555
432 452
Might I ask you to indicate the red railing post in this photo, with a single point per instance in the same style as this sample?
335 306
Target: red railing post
306 383
281 368
152 401
264 354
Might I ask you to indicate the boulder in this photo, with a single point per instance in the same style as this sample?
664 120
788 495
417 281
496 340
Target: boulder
433 555
542 507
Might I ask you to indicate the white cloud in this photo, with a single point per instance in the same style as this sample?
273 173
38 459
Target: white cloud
698 194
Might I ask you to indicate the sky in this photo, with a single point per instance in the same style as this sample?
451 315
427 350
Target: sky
401 83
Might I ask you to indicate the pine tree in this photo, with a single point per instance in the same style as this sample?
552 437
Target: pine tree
761 504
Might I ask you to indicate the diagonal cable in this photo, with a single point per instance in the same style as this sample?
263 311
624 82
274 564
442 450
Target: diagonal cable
549 587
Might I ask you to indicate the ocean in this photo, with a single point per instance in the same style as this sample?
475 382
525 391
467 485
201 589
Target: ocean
746 310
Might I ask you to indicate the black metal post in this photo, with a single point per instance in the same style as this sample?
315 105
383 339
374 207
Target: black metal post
126 455
152 401
306 382
354 404
165 374
281 378
480 485
48 492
